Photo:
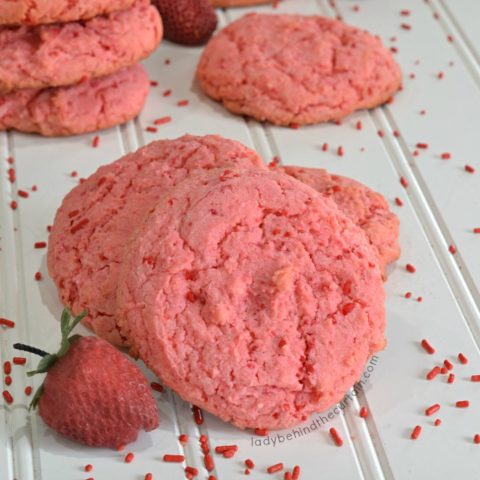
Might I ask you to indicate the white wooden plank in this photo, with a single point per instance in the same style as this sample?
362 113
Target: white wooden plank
6 233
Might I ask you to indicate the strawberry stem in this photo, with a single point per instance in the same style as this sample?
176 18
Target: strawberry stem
28 348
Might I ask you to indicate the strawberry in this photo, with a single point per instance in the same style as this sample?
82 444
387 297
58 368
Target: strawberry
187 22
92 393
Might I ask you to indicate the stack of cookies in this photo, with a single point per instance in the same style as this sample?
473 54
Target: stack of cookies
255 293
70 67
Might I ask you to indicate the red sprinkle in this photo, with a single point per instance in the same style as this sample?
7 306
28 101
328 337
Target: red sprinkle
448 364
8 380
287 476
7 368
38 276
325 147
261 432
40 244
363 412
406 26
296 472
192 471
278 467
398 202
183 438
428 348
462 404
433 373
23 194
476 230
225 448
208 460
19 360
422 145
167 93
380 133
462 358
162 121
28 391
410 268
416 432
359 125
156 386
347 308
340 151
129 457
444 370
152 129
96 141
405 13
336 437
182 103
446 156
8 397
7 323
440 75
197 415
403 182
79 225
173 458
476 439
148 476
249 463
408 295
469 169
153 83
452 249
475 378
433 409
88 468
451 378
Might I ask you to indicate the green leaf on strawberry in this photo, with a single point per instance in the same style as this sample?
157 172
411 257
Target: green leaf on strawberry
67 323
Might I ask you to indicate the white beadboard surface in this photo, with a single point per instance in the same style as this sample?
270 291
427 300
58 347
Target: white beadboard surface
441 208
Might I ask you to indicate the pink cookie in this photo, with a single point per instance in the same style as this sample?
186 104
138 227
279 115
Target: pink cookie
293 69
366 208
252 296
97 217
34 12
92 105
63 54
